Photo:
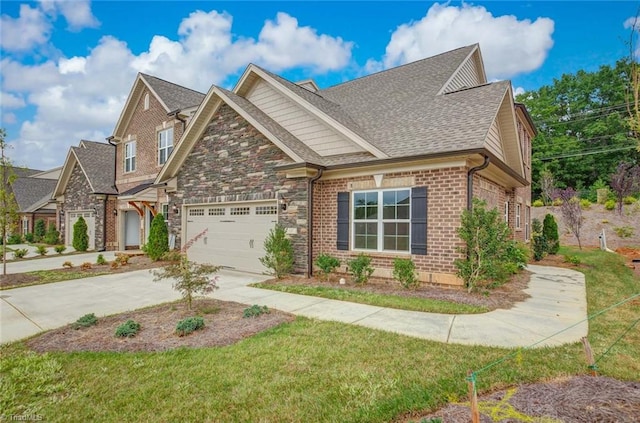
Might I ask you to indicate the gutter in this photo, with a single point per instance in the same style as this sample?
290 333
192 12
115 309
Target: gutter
310 222
470 174
104 222
176 114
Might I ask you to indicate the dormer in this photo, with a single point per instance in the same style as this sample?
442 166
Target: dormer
309 85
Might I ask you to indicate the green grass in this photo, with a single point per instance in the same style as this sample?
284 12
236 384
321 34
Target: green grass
380 300
309 370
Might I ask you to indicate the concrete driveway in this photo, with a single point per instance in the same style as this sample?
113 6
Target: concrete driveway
558 301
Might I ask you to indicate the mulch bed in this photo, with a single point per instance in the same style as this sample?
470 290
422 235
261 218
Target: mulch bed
580 399
224 325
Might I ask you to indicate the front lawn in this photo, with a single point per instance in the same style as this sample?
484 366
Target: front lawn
310 370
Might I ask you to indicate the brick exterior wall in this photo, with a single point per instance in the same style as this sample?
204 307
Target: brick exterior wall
48 217
233 161
446 199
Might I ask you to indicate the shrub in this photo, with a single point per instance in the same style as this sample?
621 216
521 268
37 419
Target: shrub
624 231
189 325
158 238
100 260
255 311
585 204
575 260
360 268
557 202
29 237
610 205
114 264
128 329
20 253
539 241
122 259
85 321
538 203
39 230
60 249
404 270
489 252
52 236
14 239
571 212
85 266
173 255
80 235
41 249
189 278
605 221
629 200
327 264
550 233
279 252
67 264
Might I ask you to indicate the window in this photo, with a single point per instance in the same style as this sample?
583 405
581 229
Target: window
381 220
217 211
527 217
518 216
165 211
146 101
25 225
196 212
130 156
506 212
165 145
237 211
261 210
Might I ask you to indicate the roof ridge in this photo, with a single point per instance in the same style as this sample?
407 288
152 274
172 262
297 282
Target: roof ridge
476 86
398 67
169 82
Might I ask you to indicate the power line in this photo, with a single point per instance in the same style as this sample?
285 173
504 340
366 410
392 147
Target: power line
586 112
584 153
570 121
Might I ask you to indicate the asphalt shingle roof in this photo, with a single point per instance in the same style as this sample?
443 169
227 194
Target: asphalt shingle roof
30 191
173 95
97 160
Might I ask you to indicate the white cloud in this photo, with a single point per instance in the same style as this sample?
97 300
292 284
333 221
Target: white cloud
518 91
11 101
632 22
29 29
77 13
509 46
81 97
9 118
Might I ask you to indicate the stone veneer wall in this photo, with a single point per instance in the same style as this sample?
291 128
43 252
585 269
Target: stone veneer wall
233 161
79 196
446 199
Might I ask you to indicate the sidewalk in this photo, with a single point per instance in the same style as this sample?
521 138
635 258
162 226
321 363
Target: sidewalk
53 261
558 300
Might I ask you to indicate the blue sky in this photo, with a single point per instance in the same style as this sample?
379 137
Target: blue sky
67 66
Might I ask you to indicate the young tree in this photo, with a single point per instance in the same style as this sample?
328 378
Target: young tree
539 246
158 238
8 205
39 230
189 278
80 235
625 181
547 187
571 211
279 252
550 234
52 236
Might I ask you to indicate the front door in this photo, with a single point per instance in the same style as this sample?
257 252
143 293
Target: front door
131 229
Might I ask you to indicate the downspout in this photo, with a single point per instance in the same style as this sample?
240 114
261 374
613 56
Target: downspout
310 222
104 225
176 114
115 170
470 174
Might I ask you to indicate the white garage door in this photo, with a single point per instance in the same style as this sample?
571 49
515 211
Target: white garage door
90 219
235 233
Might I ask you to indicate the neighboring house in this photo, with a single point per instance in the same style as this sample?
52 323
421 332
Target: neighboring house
150 125
32 190
85 189
382 165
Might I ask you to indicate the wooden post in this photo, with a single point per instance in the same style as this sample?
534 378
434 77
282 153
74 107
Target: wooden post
473 397
587 351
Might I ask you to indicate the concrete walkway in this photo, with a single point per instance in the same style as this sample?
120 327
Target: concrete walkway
558 300
54 261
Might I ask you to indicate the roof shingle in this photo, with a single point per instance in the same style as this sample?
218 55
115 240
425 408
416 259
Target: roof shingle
97 160
173 95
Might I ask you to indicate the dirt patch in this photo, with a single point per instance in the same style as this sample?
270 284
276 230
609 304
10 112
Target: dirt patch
135 263
504 296
577 399
224 325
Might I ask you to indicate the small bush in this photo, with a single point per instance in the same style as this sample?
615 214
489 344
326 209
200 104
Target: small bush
189 325
14 239
255 311
122 259
575 260
29 237
100 260
327 264
85 321
539 246
404 270
279 252
605 221
538 203
360 268
629 200
585 204
20 253
80 235
158 238
39 230
52 237
550 233
173 255
41 249
624 231
86 266
67 264
60 249
557 202
128 329
114 264
610 205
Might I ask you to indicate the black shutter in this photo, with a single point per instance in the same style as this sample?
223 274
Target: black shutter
419 220
343 221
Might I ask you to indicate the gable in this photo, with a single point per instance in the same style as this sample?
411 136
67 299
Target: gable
502 138
317 135
469 74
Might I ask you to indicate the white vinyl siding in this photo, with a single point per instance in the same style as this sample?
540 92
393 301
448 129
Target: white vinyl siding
494 140
130 156
317 135
467 76
165 145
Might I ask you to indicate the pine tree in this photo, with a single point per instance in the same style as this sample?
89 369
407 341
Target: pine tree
40 230
158 238
80 235
550 234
